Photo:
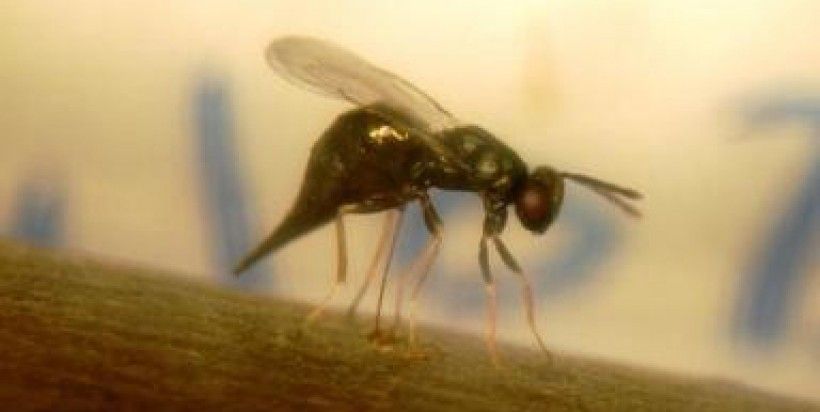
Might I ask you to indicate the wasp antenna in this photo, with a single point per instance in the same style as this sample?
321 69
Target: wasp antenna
610 192
617 201
600 185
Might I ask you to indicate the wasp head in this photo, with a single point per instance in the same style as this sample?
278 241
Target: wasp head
538 199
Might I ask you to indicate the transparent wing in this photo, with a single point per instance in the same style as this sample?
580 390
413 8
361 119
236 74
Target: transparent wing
330 70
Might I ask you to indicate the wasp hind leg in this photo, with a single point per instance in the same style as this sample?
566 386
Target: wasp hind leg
391 234
386 243
341 269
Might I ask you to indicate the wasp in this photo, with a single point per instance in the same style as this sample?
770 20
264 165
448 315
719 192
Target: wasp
393 148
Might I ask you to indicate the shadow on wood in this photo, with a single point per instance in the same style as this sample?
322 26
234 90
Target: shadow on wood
79 335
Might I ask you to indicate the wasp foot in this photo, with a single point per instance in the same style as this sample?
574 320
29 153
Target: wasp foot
384 341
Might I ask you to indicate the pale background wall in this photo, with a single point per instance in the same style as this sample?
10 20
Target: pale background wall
99 96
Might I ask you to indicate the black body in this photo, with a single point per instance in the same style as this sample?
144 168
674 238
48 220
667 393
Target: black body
397 144
392 149
368 162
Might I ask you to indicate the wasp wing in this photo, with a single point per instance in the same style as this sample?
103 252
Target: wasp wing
331 70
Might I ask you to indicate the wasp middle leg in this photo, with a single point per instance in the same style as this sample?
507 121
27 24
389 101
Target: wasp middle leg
421 265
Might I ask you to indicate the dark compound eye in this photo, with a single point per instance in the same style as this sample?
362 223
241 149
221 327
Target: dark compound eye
532 207
539 199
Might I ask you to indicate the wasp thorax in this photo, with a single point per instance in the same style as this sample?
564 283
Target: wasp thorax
539 198
487 166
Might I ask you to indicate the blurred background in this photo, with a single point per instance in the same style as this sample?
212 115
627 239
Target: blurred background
153 132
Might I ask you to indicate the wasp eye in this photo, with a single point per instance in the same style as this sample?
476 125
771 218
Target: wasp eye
538 201
532 207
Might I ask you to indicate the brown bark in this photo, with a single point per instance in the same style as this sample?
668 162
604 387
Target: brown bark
79 335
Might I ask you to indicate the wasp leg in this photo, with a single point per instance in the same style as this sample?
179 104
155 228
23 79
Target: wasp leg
424 261
341 268
376 334
526 289
391 224
492 310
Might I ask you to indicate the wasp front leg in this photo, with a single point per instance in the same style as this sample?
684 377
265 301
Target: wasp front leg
494 222
526 289
492 303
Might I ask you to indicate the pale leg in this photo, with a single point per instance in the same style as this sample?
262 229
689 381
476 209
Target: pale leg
423 263
492 305
391 223
341 270
526 290
376 334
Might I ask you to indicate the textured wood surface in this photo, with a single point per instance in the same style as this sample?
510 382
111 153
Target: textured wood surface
80 335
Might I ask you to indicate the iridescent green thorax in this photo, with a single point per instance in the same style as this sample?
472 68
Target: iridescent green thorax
493 167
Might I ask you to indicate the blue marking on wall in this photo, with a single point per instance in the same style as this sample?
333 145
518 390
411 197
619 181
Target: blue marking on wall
225 199
773 283
459 295
39 212
594 238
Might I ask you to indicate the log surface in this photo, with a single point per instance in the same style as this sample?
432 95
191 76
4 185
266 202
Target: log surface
76 334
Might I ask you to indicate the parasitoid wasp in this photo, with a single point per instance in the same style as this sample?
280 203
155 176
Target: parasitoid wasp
390 150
